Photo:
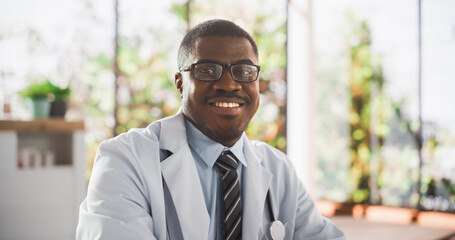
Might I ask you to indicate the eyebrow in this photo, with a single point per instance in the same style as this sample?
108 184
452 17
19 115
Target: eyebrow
245 61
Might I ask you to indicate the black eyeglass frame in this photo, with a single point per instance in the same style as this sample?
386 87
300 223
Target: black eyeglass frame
224 66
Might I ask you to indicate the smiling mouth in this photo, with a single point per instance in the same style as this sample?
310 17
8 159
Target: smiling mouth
226 104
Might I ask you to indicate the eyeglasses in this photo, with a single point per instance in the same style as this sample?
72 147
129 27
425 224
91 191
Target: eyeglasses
210 72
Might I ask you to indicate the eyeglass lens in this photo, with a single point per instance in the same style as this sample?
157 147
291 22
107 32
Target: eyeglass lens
213 72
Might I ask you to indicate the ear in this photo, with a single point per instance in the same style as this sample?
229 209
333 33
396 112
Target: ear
179 83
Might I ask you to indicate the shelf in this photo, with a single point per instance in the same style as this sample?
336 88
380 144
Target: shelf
50 125
59 143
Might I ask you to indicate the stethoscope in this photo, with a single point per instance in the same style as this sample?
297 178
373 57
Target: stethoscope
276 228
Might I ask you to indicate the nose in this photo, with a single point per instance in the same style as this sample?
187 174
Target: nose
227 83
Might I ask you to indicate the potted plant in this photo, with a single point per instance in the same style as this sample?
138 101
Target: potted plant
38 93
60 100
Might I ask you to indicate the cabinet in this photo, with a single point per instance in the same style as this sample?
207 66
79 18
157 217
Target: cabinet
41 201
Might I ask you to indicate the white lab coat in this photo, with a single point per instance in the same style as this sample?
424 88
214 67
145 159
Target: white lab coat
126 197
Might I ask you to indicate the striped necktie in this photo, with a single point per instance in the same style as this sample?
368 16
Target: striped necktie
227 165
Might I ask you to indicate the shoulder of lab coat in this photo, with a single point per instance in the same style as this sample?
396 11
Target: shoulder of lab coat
112 208
291 203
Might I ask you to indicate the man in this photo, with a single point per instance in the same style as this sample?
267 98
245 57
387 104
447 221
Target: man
196 175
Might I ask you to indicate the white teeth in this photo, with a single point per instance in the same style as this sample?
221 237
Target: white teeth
227 104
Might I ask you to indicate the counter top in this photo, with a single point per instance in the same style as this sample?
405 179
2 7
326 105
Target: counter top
53 125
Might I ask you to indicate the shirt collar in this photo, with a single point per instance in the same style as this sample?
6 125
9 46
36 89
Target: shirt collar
209 150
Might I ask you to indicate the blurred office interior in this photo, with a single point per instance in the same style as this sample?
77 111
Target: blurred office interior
358 93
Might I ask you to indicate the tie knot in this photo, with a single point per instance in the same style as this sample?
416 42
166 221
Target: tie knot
227 161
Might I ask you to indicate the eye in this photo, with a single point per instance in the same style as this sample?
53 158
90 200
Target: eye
206 70
244 71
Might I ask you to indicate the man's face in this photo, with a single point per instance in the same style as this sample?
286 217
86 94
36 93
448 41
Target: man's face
221 109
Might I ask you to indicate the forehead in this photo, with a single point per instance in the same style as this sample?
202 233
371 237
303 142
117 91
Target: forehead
223 49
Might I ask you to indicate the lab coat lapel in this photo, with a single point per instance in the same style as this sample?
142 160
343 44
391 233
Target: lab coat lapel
256 182
181 177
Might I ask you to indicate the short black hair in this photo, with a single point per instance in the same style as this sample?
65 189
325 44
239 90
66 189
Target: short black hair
215 27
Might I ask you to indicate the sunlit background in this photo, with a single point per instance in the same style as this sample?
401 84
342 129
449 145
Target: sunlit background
359 93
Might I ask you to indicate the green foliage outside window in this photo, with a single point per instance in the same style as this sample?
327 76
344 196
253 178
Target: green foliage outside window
362 78
383 142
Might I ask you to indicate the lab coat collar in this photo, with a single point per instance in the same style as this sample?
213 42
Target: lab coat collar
257 181
181 176
173 133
